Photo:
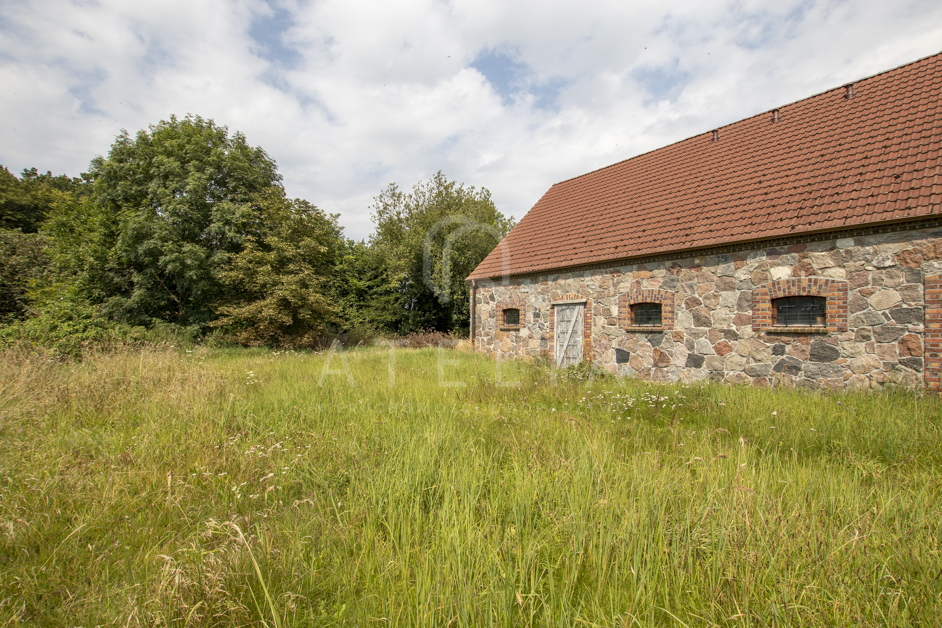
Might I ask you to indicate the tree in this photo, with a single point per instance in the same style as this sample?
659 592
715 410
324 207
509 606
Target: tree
364 290
26 202
25 264
278 282
168 209
431 239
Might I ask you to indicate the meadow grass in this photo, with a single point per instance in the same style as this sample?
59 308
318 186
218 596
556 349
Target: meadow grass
425 488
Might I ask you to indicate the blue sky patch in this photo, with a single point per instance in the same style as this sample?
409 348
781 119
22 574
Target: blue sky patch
762 28
510 77
268 32
504 73
547 91
86 82
87 104
156 56
661 82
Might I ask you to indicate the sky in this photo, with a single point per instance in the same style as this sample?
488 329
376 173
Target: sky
348 96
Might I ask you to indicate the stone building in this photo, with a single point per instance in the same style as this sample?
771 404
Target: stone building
801 246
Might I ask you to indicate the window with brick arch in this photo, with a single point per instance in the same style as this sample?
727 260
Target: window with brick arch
511 316
817 304
646 314
646 310
799 312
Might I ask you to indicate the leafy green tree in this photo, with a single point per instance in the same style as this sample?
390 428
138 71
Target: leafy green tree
26 202
80 237
431 239
168 209
278 282
65 302
25 262
61 182
364 290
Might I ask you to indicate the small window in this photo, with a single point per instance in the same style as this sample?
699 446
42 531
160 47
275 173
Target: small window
646 315
800 311
511 317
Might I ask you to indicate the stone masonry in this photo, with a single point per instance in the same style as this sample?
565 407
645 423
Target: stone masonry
884 313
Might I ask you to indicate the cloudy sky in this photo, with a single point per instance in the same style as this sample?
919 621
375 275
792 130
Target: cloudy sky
350 95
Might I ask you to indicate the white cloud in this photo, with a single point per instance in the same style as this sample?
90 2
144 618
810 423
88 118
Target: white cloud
349 96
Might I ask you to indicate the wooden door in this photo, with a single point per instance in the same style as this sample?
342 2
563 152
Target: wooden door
569 334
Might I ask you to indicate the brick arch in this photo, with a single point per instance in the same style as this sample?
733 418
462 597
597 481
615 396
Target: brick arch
636 294
834 290
511 304
933 332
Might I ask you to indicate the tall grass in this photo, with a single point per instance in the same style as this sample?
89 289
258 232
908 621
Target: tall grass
248 487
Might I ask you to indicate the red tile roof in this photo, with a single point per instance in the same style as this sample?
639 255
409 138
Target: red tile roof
828 163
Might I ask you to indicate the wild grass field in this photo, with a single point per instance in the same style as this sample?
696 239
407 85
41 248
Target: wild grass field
167 487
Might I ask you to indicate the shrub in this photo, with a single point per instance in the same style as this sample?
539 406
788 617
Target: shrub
24 261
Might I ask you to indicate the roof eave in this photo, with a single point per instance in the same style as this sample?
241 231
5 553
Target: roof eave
694 252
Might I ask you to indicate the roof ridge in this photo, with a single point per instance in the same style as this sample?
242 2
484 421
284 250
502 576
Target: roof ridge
755 115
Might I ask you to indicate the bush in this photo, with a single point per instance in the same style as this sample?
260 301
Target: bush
24 261
428 338
69 329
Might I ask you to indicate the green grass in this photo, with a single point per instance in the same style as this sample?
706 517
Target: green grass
234 488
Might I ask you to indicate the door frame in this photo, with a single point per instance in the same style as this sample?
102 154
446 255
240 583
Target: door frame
586 323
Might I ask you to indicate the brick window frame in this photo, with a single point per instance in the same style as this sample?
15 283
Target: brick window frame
586 324
834 290
665 298
511 304
932 374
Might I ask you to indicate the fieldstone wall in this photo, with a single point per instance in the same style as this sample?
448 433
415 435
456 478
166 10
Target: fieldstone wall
876 330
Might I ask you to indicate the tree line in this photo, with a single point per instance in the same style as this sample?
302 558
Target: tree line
184 227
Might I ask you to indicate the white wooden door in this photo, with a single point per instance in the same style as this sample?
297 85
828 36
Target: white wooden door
568 334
